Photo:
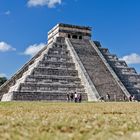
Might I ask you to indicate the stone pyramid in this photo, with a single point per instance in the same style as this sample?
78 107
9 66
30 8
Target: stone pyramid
72 62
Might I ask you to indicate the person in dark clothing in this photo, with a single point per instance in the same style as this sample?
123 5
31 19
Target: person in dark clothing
124 97
130 98
71 97
101 98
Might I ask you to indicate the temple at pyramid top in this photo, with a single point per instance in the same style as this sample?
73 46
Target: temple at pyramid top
73 63
69 31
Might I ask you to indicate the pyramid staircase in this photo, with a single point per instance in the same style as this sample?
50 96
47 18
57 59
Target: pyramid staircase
128 76
99 71
50 77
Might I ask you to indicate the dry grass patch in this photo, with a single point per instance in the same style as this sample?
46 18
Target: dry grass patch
66 121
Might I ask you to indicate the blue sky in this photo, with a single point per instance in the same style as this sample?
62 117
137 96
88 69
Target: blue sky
24 25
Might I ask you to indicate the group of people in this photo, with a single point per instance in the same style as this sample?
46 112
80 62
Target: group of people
104 98
74 97
107 98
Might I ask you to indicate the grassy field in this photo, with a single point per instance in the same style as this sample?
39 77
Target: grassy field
69 121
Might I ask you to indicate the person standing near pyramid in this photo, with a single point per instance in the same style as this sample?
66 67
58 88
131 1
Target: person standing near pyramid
75 97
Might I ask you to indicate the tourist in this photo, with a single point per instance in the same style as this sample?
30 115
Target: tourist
130 98
68 97
75 97
133 98
101 98
71 97
107 97
124 97
79 97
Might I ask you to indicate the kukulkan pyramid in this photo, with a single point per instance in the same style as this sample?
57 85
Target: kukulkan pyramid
71 62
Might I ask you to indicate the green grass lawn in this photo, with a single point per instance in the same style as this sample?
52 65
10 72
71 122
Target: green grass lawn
66 121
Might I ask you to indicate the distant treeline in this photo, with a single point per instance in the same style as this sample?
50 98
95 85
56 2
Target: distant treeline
2 80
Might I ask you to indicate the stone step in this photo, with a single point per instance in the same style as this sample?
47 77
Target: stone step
56 65
47 81
49 87
133 90
71 78
110 56
48 96
58 59
51 66
51 79
132 84
130 76
115 61
53 85
104 50
60 42
129 84
118 64
57 56
130 79
127 76
61 46
136 83
81 42
120 73
53 71
125 70
57 51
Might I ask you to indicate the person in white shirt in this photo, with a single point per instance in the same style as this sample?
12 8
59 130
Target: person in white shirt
75 97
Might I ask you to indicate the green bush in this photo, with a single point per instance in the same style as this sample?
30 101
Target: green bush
2 80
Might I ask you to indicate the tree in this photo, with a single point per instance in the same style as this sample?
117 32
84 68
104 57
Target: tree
2 80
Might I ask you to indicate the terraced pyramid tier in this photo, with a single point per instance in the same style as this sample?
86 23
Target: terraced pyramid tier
98 72
128 76
51 79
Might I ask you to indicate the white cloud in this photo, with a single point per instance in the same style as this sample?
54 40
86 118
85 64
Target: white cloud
4 47
132 58
3 75
7 13
33 49
49 3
